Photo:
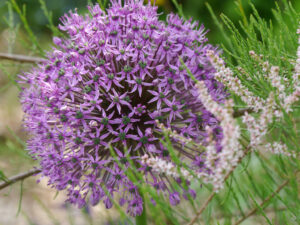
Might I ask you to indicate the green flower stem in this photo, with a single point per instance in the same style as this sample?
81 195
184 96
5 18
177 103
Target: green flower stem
142 219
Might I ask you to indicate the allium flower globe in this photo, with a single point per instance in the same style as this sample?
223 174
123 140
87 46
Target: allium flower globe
107 83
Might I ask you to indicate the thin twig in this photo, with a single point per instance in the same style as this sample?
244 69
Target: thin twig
21 58
19 177
212 195
267 210
203 207
253 211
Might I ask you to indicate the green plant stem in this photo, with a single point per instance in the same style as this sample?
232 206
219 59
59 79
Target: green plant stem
142 219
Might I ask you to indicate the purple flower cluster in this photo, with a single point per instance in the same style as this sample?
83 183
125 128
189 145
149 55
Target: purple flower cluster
115 74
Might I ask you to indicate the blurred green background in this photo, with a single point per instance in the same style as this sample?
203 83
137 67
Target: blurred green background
195 9
38 206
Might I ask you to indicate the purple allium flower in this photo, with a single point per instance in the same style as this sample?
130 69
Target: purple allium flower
114 75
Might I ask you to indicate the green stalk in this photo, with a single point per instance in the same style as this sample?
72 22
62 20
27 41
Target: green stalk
142 219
